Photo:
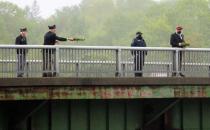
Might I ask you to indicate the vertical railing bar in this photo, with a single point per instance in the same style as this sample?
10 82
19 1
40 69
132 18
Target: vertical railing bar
48 62
71 56
57 60
118 61
27 62
9 64
68 62
177 61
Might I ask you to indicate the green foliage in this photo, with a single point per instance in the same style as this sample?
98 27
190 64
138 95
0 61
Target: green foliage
11 17
113 22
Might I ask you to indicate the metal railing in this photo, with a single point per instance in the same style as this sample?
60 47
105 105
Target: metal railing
92 61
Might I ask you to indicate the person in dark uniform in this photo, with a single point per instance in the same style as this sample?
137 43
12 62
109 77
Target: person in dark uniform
139 55
50 38
21 53
177 41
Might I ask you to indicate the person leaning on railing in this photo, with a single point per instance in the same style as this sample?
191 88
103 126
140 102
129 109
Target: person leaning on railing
177 41
21 53
50 38
139 55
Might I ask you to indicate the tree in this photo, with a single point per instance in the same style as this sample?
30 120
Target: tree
113 22
33 11
8 27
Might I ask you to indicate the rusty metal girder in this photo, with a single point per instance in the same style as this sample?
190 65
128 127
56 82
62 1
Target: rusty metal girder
104 92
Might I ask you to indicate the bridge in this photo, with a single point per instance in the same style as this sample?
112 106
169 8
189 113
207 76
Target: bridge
91 61
90 81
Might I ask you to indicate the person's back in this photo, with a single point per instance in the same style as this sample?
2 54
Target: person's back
49 38
138 41
138 55
49 58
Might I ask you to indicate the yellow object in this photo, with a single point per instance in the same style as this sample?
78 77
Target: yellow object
186 44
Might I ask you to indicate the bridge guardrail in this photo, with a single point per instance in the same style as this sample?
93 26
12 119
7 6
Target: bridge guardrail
102 61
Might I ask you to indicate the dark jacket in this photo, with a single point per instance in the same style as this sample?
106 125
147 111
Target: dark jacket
20 40
176 39
50 38
138 42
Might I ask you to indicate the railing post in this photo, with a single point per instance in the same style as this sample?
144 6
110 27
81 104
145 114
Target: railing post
77 69
57 60
27 69
177 62
118 63
124 69
209 71
168 70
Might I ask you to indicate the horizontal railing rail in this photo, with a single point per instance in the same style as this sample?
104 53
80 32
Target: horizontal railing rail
102 61
101 47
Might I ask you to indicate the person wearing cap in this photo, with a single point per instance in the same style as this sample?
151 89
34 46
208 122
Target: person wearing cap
139 55
21 53
177 41
50 38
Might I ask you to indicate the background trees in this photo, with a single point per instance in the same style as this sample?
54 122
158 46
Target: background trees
112 22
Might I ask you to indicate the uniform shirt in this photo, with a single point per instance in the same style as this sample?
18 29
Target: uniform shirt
50 38
20 40
176 39
138 42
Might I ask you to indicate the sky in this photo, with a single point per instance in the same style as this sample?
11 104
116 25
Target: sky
47 7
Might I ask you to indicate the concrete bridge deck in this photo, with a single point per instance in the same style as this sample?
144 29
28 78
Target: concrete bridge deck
102 88
84 82
156 101
81 72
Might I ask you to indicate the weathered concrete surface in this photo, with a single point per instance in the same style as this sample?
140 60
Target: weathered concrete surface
104 88
52 82
117 92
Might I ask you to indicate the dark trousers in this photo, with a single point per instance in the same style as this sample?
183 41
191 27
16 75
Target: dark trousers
21 57
49 66
138 65
180 57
